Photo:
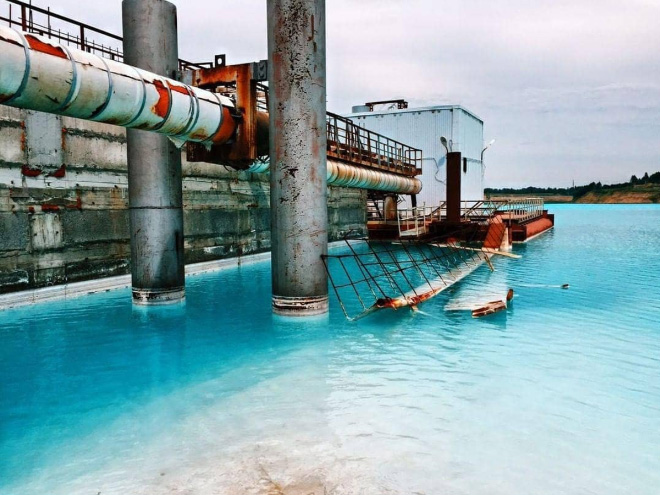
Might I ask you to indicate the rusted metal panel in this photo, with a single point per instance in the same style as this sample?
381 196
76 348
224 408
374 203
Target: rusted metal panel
251 137
454 165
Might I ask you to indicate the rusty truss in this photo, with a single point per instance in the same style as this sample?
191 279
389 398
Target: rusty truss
373 275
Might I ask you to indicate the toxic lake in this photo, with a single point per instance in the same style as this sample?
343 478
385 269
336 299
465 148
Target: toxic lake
560 394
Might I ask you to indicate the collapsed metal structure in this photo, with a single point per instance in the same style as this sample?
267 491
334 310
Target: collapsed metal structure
375 275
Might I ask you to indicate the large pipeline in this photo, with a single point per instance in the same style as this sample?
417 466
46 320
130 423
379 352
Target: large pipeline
38 74
347 175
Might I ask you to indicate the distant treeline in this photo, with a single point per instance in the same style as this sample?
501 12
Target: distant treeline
577 191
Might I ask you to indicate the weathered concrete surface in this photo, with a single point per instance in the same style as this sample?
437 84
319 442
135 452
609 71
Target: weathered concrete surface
226 212
154 163
298 142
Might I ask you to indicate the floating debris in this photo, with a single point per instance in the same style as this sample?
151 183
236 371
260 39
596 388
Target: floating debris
493 306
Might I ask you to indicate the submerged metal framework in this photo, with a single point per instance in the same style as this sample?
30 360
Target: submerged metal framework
376 275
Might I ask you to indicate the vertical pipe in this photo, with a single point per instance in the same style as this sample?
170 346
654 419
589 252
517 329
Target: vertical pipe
298 194
154 164
454 187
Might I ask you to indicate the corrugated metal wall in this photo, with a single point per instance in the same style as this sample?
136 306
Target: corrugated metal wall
422 128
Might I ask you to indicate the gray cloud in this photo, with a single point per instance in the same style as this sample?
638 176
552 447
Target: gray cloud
570 89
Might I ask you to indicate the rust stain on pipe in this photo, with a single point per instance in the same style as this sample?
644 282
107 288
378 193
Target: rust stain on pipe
227 128
50 208
162 106
59 173
179 89
39 46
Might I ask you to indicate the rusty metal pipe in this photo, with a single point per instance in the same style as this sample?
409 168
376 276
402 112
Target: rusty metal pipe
346 175
38 74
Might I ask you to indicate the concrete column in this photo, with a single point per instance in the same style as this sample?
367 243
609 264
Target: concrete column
298 194
154 164
454 187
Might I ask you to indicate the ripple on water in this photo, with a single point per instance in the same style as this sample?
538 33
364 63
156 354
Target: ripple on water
559 395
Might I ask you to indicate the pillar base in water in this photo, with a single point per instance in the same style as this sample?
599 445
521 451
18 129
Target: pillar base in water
155 297
300 306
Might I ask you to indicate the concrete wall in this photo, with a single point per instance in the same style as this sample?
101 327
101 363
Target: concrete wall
64 200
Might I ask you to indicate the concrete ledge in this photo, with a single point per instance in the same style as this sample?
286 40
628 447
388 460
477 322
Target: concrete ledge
78 289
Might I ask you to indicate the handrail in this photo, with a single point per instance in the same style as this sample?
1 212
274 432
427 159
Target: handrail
349 142
520 210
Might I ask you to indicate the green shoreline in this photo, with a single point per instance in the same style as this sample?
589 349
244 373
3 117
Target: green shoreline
627 194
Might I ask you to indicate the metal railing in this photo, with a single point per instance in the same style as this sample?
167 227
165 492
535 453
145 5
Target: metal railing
519 210
416 221
349 142
44 22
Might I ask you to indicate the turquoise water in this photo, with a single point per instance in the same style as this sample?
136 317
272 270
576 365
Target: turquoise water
560 395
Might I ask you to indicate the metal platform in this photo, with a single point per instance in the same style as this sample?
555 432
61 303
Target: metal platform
524 218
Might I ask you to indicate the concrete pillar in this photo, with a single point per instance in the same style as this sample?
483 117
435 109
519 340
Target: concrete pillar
298 194
154 164
454 187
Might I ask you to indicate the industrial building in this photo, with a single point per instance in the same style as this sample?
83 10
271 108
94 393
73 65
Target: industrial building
422 128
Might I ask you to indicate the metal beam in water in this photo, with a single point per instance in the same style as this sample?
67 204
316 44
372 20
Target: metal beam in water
155 193
298 144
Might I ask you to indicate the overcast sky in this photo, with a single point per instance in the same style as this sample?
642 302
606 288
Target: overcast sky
570 89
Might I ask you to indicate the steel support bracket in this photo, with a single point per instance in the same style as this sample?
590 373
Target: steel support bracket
251 138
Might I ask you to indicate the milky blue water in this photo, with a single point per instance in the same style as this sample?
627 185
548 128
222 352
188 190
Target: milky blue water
560 395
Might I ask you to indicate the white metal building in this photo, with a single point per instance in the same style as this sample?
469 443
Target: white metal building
422 128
